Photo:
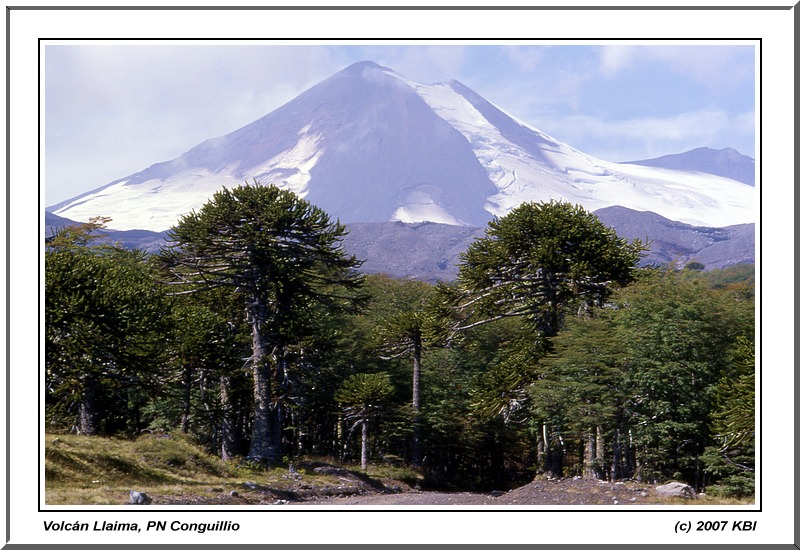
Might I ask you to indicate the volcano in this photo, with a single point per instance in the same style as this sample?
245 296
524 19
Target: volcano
369 145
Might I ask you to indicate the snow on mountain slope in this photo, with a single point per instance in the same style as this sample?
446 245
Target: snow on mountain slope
368 145
553 170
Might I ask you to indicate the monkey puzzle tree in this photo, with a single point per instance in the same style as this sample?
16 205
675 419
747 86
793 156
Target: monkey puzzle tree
285 257
538 260
538 263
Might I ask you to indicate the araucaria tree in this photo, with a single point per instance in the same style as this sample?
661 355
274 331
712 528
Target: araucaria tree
285 257
540 259
538 263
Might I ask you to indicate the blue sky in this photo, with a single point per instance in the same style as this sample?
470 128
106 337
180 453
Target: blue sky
112 110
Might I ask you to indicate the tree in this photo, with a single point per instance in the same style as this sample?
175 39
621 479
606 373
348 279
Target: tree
731 457
581 383
539 260
104 315
285 257
205 389
404 332
678 333
363 396
538 263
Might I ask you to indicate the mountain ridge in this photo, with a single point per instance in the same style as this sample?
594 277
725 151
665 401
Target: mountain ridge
727 162
431 252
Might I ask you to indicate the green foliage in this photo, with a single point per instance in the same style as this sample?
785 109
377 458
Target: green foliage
731 457
581 382
539 261
73 236
104 315
365 392
280 252
679 332
695 266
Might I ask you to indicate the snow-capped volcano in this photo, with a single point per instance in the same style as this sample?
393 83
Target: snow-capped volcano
368 145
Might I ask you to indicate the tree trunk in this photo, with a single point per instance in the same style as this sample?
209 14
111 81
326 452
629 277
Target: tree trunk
541 450
589 457
546 458
616 460
416 405
187 399
89 415
340 442
229 441
364 446
263 445
599 454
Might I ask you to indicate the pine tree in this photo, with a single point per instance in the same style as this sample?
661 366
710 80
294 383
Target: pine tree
284 256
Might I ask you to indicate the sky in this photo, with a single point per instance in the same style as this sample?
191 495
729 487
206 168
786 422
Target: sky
114 109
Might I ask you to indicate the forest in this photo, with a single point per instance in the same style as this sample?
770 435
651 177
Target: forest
552 354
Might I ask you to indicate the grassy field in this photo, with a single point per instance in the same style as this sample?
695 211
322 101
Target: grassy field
95 470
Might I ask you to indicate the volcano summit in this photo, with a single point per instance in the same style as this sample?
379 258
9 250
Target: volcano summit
368 145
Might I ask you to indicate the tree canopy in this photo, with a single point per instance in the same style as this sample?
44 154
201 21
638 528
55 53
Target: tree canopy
538 260
104 313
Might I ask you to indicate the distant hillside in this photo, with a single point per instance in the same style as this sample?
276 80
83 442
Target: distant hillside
430 251
728 163
149 241
681 243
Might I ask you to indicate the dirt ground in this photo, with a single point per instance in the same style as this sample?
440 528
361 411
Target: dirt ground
355 488
544 493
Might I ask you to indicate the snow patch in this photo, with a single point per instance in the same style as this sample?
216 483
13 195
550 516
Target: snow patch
291 169
422 208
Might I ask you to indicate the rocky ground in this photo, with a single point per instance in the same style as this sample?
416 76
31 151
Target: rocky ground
355 488
568 491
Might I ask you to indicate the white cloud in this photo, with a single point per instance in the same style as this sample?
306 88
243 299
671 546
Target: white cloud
647 137
526 58
615 58
714 66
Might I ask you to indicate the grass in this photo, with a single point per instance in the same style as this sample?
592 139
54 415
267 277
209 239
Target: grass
84 470
98 470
